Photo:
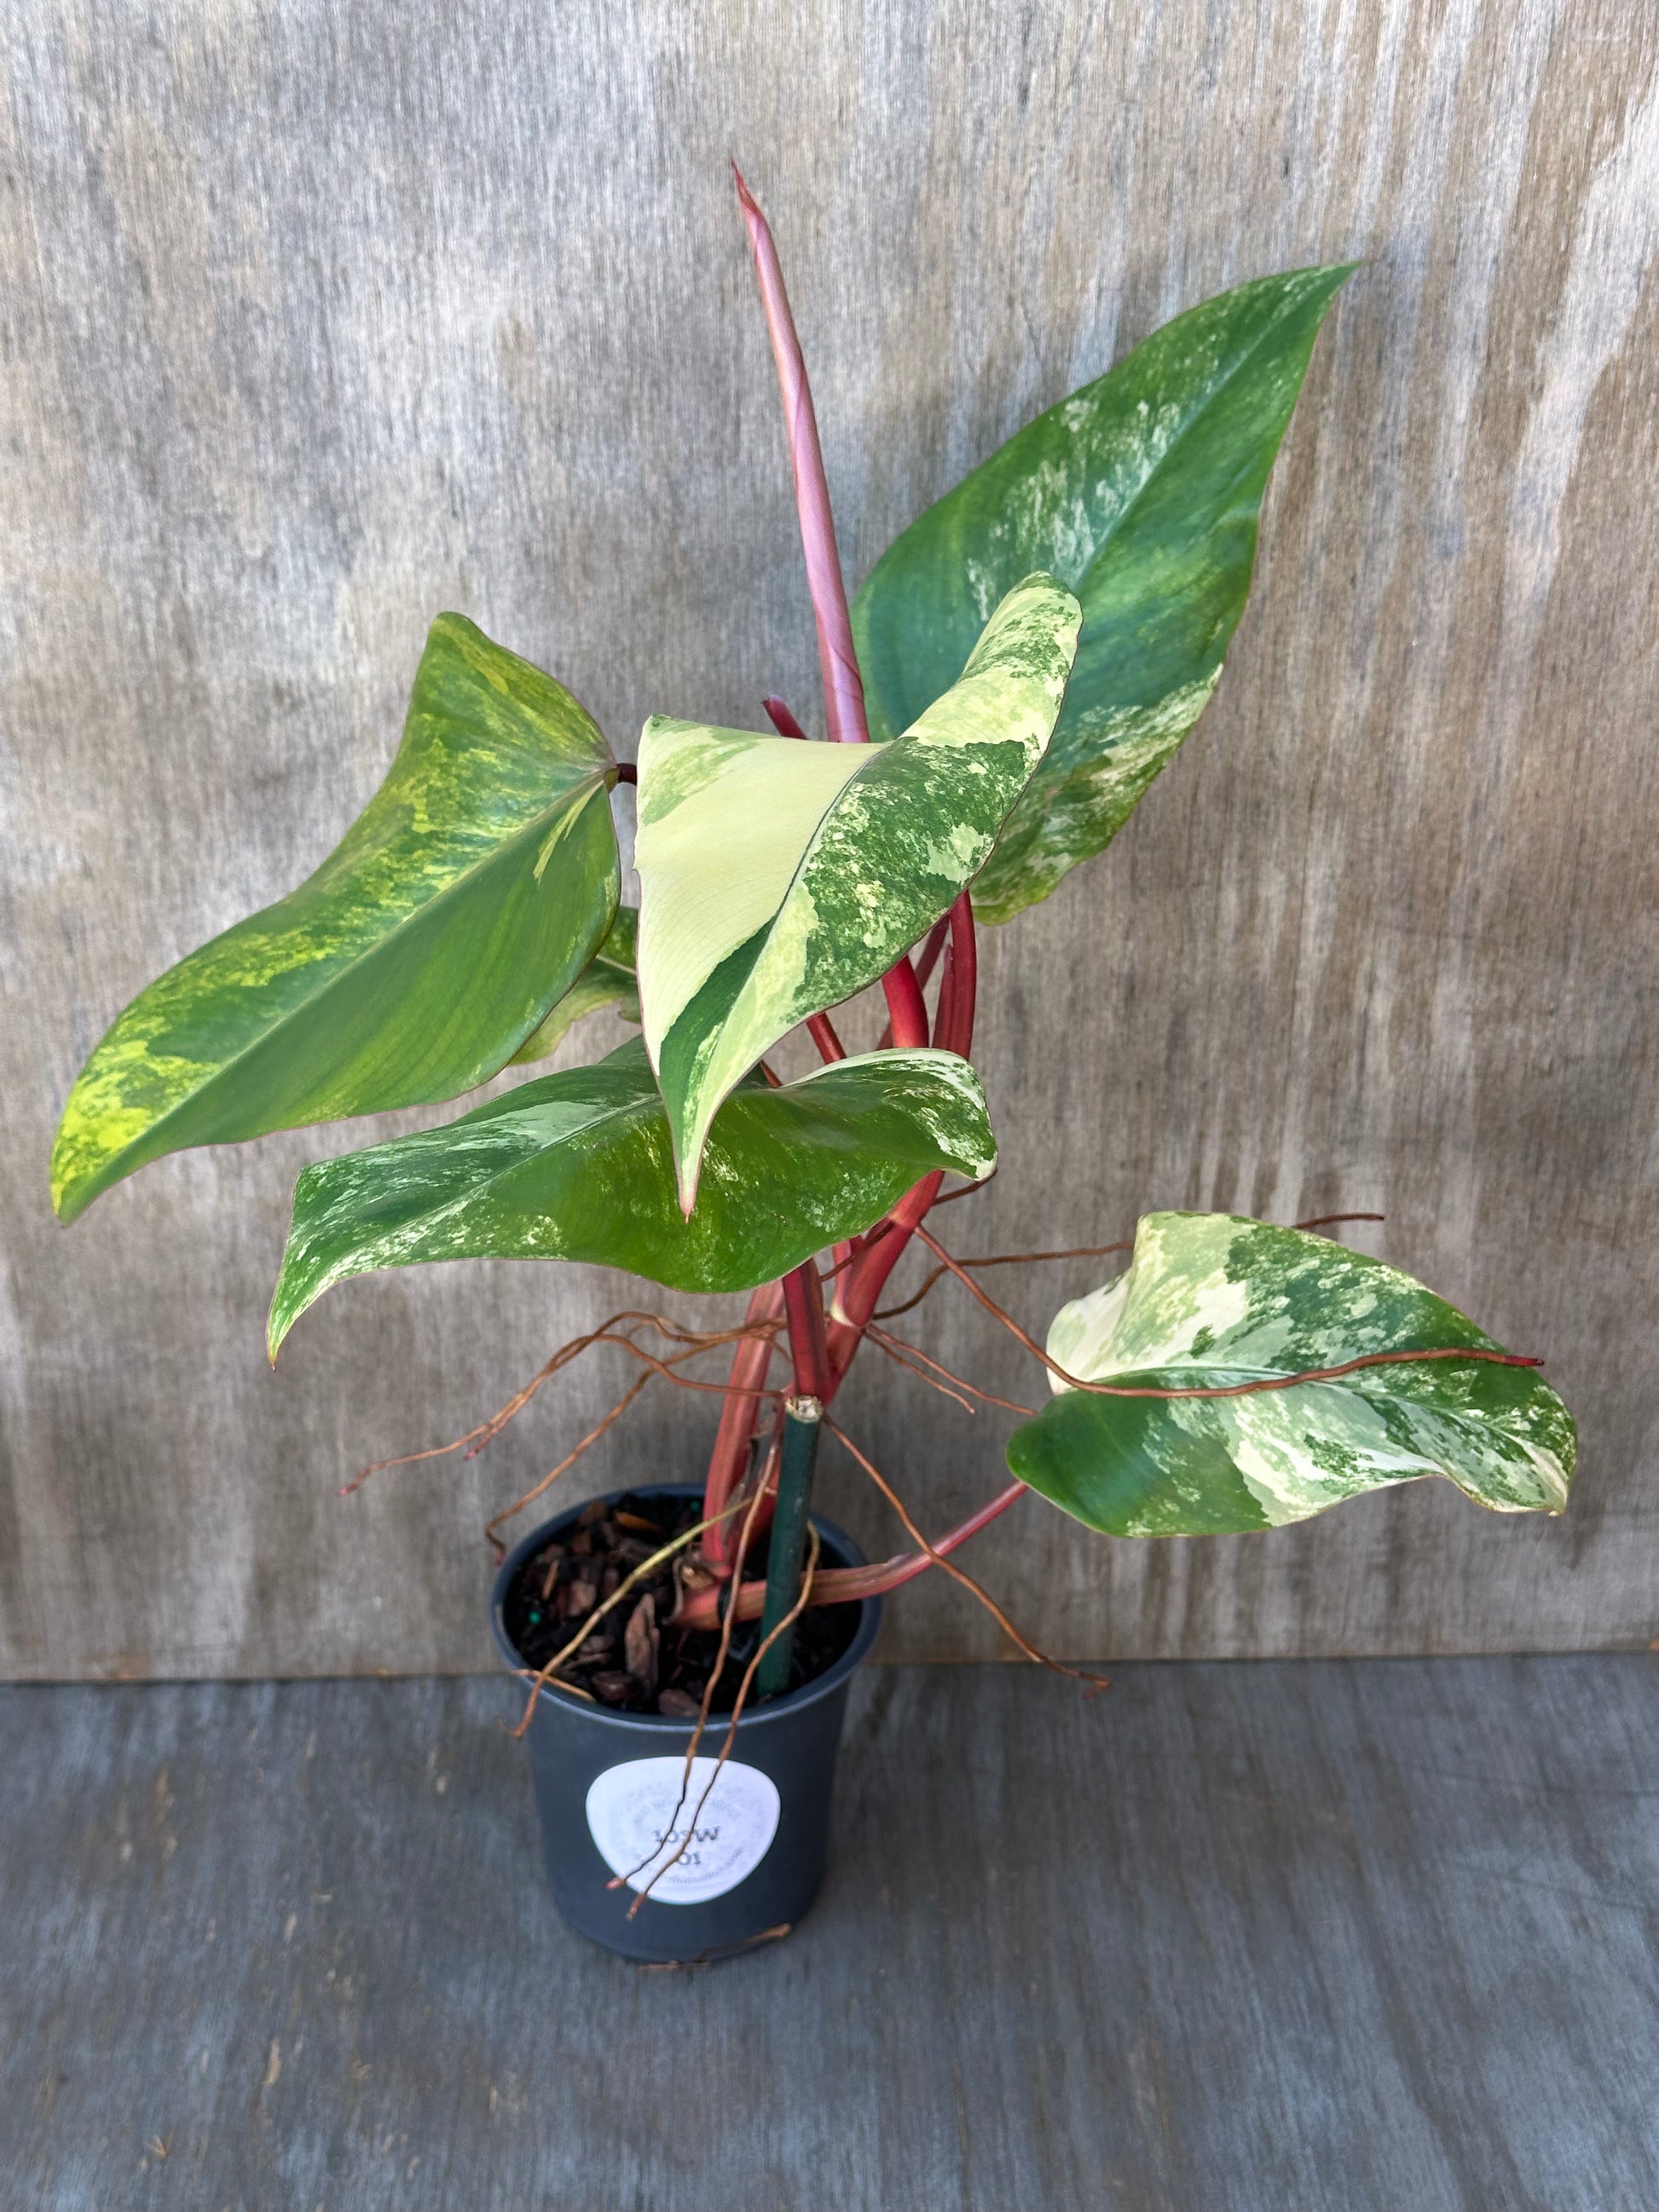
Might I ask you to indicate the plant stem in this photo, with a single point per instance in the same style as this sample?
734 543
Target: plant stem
907 1009
859 1289
803 1304
848 1585
954 1021
928 958
791 1508
803 1423
729 1459
781 719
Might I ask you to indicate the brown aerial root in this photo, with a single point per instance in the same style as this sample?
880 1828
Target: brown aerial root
1216 1389
695 1342
858 1246
622 1329
544 1673
921 1364
609 1331
727 1624
1005 1259
705 1959
1098 1682
1073 1252
749 1673
476 1439
564 1465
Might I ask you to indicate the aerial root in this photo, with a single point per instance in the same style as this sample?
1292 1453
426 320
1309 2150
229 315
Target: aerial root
1096 1682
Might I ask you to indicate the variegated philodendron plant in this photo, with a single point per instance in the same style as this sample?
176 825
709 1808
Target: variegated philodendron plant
1016 670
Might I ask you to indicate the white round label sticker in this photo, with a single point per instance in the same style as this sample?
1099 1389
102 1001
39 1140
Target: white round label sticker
639 1813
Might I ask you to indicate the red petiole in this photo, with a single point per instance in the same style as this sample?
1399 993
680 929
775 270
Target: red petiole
848 1585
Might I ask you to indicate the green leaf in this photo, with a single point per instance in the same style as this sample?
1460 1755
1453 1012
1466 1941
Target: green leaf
608 980
1141 492
579 1166
463 901
779 877
1213 1298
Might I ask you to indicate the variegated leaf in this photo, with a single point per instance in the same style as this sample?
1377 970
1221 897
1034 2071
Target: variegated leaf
467 897
579 1166
608 980
1214 1299
778 878
1142 492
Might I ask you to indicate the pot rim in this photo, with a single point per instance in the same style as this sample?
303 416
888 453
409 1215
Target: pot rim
665 1724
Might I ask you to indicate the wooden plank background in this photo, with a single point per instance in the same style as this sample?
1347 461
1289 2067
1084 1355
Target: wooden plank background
319 319
1345 1936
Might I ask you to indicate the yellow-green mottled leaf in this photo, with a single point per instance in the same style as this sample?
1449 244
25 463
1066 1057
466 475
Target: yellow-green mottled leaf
778 878
608 980
1215 1299
463 901
1141 492
580 1166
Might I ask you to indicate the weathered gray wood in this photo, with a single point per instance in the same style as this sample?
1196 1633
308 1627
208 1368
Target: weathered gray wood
317 318
1328 1938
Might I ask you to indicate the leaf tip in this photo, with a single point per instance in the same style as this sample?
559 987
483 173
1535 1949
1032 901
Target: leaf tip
282 1320
66 1185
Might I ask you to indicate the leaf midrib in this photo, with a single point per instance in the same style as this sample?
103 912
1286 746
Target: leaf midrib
1289 1378
1211 395
646 1098
1129 505
583 791
483 1183
1462 1417
328 1273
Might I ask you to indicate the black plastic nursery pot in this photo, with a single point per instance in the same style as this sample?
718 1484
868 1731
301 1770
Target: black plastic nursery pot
608 1783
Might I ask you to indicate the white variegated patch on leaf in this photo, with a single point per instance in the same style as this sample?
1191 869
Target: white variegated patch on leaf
779 877
1142 492
577 1166
1215 1300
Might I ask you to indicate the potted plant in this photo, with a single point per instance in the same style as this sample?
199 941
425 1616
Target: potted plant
1013 673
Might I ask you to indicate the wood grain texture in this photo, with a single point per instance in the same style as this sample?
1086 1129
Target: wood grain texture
1334 1937
317 319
